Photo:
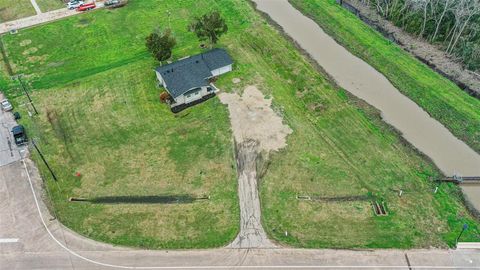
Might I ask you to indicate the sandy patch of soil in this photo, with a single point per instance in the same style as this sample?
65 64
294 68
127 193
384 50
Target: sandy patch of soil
34 59
252 118
25 42
30 51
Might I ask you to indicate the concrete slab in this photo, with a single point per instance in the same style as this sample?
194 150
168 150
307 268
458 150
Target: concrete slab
468 245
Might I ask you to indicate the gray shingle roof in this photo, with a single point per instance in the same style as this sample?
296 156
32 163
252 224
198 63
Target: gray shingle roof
193 71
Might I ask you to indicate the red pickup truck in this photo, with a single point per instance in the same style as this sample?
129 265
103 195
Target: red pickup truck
86 7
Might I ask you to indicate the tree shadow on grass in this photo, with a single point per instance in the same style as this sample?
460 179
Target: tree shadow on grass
156 199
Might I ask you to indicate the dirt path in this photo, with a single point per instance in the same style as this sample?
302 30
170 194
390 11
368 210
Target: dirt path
251 230
36 7
256 128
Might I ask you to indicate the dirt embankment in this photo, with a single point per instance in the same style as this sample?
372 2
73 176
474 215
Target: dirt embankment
256 128
429 54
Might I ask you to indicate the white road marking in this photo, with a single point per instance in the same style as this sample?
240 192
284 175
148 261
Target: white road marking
8 240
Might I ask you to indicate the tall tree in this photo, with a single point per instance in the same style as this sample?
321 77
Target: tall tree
160 44
210 26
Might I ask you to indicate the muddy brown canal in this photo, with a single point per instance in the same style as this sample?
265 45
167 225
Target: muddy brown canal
450 154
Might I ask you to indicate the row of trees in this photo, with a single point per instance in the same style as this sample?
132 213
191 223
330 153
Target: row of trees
454 24
208 27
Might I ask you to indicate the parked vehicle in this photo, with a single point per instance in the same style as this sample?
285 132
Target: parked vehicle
86 7
115 3
19 135
112 2
6 106
74 4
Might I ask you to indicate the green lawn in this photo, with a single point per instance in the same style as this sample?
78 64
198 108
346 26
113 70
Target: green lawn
49 5
15 9
128 147
100 115
438 96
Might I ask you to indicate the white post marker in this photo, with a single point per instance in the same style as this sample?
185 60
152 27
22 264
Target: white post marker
8 240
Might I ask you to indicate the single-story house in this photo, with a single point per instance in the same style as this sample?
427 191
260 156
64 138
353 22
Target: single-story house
188 81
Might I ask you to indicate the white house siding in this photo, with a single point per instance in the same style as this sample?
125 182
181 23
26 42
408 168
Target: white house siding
180 99
222 70
185 98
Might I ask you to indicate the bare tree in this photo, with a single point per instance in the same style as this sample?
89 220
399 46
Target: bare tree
447 6
463 11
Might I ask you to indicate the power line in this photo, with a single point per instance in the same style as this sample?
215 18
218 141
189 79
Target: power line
44 161
26 93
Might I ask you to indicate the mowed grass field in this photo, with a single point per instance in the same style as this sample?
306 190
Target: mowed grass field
15 9
438 96
141 166
94 86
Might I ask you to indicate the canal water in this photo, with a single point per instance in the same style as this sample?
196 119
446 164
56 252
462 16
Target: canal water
450 154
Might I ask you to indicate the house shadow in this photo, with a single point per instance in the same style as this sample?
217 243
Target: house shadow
155 199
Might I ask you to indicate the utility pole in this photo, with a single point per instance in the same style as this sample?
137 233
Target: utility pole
26 93
44 161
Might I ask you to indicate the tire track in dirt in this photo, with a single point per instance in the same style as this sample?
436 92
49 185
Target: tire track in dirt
256 128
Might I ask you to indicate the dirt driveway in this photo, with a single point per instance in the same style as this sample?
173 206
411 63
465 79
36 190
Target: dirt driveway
256 128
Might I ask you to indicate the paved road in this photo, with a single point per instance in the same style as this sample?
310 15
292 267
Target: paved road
8 151
40 18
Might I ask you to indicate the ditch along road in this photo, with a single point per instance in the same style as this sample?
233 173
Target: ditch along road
31 238
451 155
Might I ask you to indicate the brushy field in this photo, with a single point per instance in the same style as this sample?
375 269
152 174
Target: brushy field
438 96
100 115
15 9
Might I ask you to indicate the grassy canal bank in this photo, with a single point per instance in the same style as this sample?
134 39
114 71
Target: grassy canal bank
100 115
438 96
